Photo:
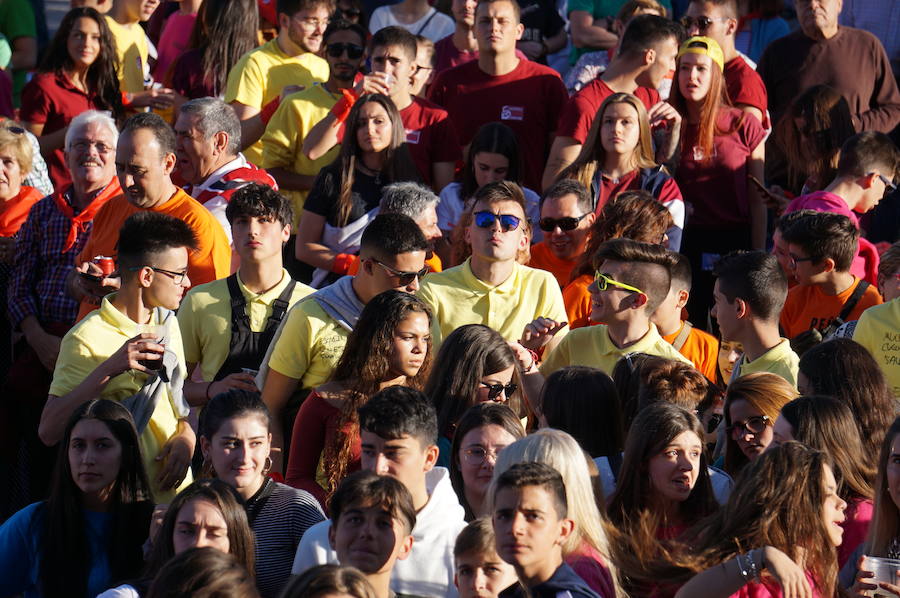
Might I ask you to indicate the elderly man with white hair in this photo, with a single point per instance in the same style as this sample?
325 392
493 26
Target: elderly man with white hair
208 135
419 203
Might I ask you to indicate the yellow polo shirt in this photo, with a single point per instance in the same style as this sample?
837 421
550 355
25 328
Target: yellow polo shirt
592 346
458 298
131 54
310 344
260 75
205 319
91 342
780 360
878 330
282 143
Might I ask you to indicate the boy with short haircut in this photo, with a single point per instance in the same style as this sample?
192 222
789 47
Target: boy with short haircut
480 572
398 432
749 294
701 348
631 281
531 525
372 521
821 247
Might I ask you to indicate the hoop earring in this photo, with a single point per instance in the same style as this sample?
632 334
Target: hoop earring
267 467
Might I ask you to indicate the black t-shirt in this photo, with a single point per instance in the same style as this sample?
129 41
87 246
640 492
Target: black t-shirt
322 200
540 20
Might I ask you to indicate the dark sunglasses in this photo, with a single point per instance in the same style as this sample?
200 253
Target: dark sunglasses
701 22
336 49
714 420
570 223
404 277
754 425
495 390
508 222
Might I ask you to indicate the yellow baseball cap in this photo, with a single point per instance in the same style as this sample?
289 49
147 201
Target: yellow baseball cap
706 46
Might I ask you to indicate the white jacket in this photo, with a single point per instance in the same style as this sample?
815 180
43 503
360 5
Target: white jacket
429 569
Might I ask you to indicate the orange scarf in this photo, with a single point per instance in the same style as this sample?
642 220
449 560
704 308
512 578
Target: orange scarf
13 212
80 222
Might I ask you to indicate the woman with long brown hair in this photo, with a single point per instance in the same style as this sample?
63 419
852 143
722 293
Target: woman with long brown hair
390 345
347 191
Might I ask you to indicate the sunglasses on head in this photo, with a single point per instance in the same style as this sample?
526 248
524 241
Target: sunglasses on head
336 49
569 223
495 390
508 222
753 425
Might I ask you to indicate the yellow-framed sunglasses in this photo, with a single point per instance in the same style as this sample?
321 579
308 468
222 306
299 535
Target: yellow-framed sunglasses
603 281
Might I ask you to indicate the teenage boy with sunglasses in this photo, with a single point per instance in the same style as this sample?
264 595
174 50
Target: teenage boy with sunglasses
631 281
491 287
567 214
311 338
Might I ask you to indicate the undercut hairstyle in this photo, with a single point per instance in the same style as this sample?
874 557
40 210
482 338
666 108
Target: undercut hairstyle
230 405
825 235
673 382
292 7
867 151
646 31
728 7
328 580
408 198
646 267
146 234
367 489
390 235
476 538
161 130
889 262
682 277
215 116
564 187
255 200
396 37
399 411
583 401
517 10
756 278
338 25
533 473
78 124
203 571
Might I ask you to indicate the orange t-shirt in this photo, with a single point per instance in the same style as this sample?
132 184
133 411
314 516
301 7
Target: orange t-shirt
701 348
434 263
211 261
578 301
14 212
808 307
543 258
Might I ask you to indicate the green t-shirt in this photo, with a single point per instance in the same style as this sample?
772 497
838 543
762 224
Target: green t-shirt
599 9
17 20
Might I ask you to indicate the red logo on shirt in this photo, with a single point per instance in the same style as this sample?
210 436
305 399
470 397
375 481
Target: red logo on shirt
413 136
512 113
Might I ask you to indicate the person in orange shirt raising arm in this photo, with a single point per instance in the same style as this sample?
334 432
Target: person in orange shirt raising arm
145 158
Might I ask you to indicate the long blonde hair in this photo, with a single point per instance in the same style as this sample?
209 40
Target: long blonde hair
560 451
593 155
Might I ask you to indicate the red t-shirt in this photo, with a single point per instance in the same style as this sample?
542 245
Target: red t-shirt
447 55
580 110
608 188
717 187
430 136
745 86
528 100
50 99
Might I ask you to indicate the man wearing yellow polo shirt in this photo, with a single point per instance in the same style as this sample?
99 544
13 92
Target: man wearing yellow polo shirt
227 342
289 61
491 287
130 351
311 339
632 280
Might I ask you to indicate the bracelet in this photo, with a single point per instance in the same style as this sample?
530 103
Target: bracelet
126 99
342 263
208 387
741 567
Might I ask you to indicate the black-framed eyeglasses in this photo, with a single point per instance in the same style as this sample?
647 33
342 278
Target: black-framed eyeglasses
889 185
568 223
477 455
793 260
335 50
404 277
495 390
508 222
177 277
702 22
753 425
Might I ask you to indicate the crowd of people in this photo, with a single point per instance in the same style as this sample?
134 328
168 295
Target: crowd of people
330 298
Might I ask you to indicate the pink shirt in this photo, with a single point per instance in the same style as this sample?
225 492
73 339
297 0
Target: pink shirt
173 41
856 527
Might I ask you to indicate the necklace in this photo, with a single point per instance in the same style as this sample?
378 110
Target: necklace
373 173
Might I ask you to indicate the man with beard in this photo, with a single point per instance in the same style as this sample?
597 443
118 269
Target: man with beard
288 61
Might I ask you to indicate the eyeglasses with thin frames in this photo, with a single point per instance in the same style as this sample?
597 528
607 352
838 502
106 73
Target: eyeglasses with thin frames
476 455
752 425
177 277
793 259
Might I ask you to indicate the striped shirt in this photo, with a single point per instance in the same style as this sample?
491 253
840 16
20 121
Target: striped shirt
279 516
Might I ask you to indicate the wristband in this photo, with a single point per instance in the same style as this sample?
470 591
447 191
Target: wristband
126 99
269 109
342 262
341 110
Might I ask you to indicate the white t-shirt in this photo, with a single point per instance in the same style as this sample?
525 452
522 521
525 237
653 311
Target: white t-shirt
434 25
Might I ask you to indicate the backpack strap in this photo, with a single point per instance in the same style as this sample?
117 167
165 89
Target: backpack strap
858 292
682 337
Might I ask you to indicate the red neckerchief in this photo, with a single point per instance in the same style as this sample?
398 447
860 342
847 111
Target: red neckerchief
80 222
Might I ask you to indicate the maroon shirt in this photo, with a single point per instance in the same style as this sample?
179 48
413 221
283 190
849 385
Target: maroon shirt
581 109
745 86
188 79
447 55
50 99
